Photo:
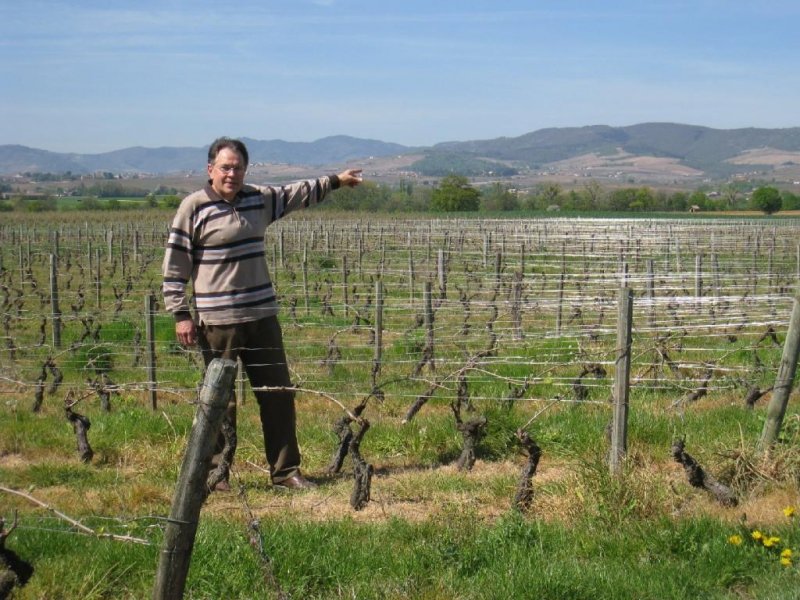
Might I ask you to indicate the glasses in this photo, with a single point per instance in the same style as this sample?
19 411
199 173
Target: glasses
231 169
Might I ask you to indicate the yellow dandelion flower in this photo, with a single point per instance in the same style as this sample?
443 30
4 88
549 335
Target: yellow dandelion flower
787 553
789 511
757 535
736 540
786 562
770 541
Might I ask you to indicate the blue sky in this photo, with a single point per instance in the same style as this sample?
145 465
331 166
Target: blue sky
99 75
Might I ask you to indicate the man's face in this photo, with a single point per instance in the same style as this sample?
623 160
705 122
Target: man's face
227 173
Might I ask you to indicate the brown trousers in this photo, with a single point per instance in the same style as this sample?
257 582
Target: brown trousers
260 346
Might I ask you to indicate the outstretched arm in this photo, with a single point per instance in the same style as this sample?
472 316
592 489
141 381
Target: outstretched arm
310 192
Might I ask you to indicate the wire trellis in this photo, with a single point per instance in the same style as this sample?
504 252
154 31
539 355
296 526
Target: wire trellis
710 296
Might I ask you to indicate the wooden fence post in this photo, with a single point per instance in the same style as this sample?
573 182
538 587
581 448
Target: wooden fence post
20 260
123 262
305 278
411 278
345 292
376 364
698 278
191 490
651 292
55 311
783 382
560 302
360 256
516 306
382 263
427 299
149 310
97 281
240 376
797 262
442 272
619 423
770 270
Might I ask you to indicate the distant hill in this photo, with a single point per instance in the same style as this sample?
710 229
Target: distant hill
335 149
701 150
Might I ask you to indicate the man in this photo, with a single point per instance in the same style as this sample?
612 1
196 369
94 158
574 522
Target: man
217 242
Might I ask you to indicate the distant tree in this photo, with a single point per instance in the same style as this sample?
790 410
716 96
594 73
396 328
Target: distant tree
454 193
90 203
366 197
790 201
33 205
405 186
661 200
699 198
643 200
621 199
163 190
399 201
678 201
731 194
405 196
593 193
574 200
171 201
551 193
497 197
767 199
39 205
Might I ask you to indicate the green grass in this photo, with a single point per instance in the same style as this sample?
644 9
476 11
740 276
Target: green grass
451 557
616 538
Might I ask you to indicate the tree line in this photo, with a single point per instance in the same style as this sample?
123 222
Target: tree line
455 193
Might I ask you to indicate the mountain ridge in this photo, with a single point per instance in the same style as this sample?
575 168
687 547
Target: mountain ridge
711 151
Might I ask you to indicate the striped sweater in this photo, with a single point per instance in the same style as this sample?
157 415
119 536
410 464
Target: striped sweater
219 247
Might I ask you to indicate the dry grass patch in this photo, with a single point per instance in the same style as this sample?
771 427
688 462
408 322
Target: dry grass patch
414 494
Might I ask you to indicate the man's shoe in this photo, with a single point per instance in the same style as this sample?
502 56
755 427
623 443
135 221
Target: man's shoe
295 482
222 486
